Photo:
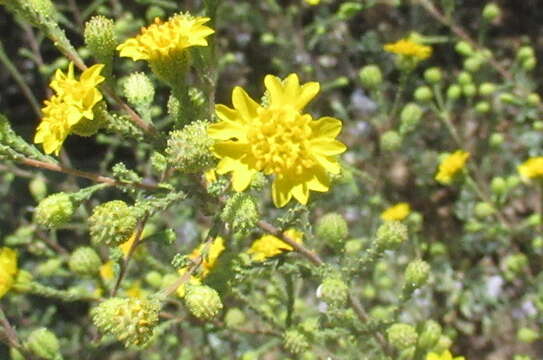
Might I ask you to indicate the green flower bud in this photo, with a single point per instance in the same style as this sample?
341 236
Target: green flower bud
100 37
332 229
401 336
38 188
85 261
410 117
334 291
525 52
469 90
49 267
473 63
130 320
44 344
515 264
369 291
491 12
416 274
464 78
370 76
423 94
154 278
139 89
529 63
429 335
112 223
527 335
508 98
498 185
433 75
189 149
234 318
295 342
438 249
487 88
45 8
203 302
482 107
349 9
391 141
55 210
353 247
496 139
534 99
390 235
463 48
454 92
154 12
241 213
537 243
483 210
522 357
537 125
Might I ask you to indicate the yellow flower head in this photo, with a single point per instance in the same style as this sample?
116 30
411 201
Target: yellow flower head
409 48
164 39
532 168
312 2
451 165
445 355
277 139
8 269
397 212
214 250
268 245
71 108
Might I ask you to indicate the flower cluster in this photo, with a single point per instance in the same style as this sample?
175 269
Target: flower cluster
70 110
451 166
277 138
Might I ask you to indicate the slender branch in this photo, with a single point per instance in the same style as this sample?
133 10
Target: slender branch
83 174
310 255
126 261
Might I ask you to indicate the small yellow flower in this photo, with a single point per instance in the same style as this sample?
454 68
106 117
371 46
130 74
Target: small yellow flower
451 165
135 290
70 110
277 139
409 48
532 168
214 250
312 2
397 212
106 271
8 269
445 355
165 39
268 245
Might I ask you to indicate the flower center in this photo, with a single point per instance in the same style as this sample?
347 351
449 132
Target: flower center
279 140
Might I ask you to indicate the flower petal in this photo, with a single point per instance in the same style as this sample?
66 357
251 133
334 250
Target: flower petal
328 127
327 147
281 191
243 103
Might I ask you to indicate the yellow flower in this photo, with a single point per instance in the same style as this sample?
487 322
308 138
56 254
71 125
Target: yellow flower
277 139
106 271
409 48
312 2
8 269
397 212
135 290
532 168
214 250
268 245
445 355
451 165
165 39
70 110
